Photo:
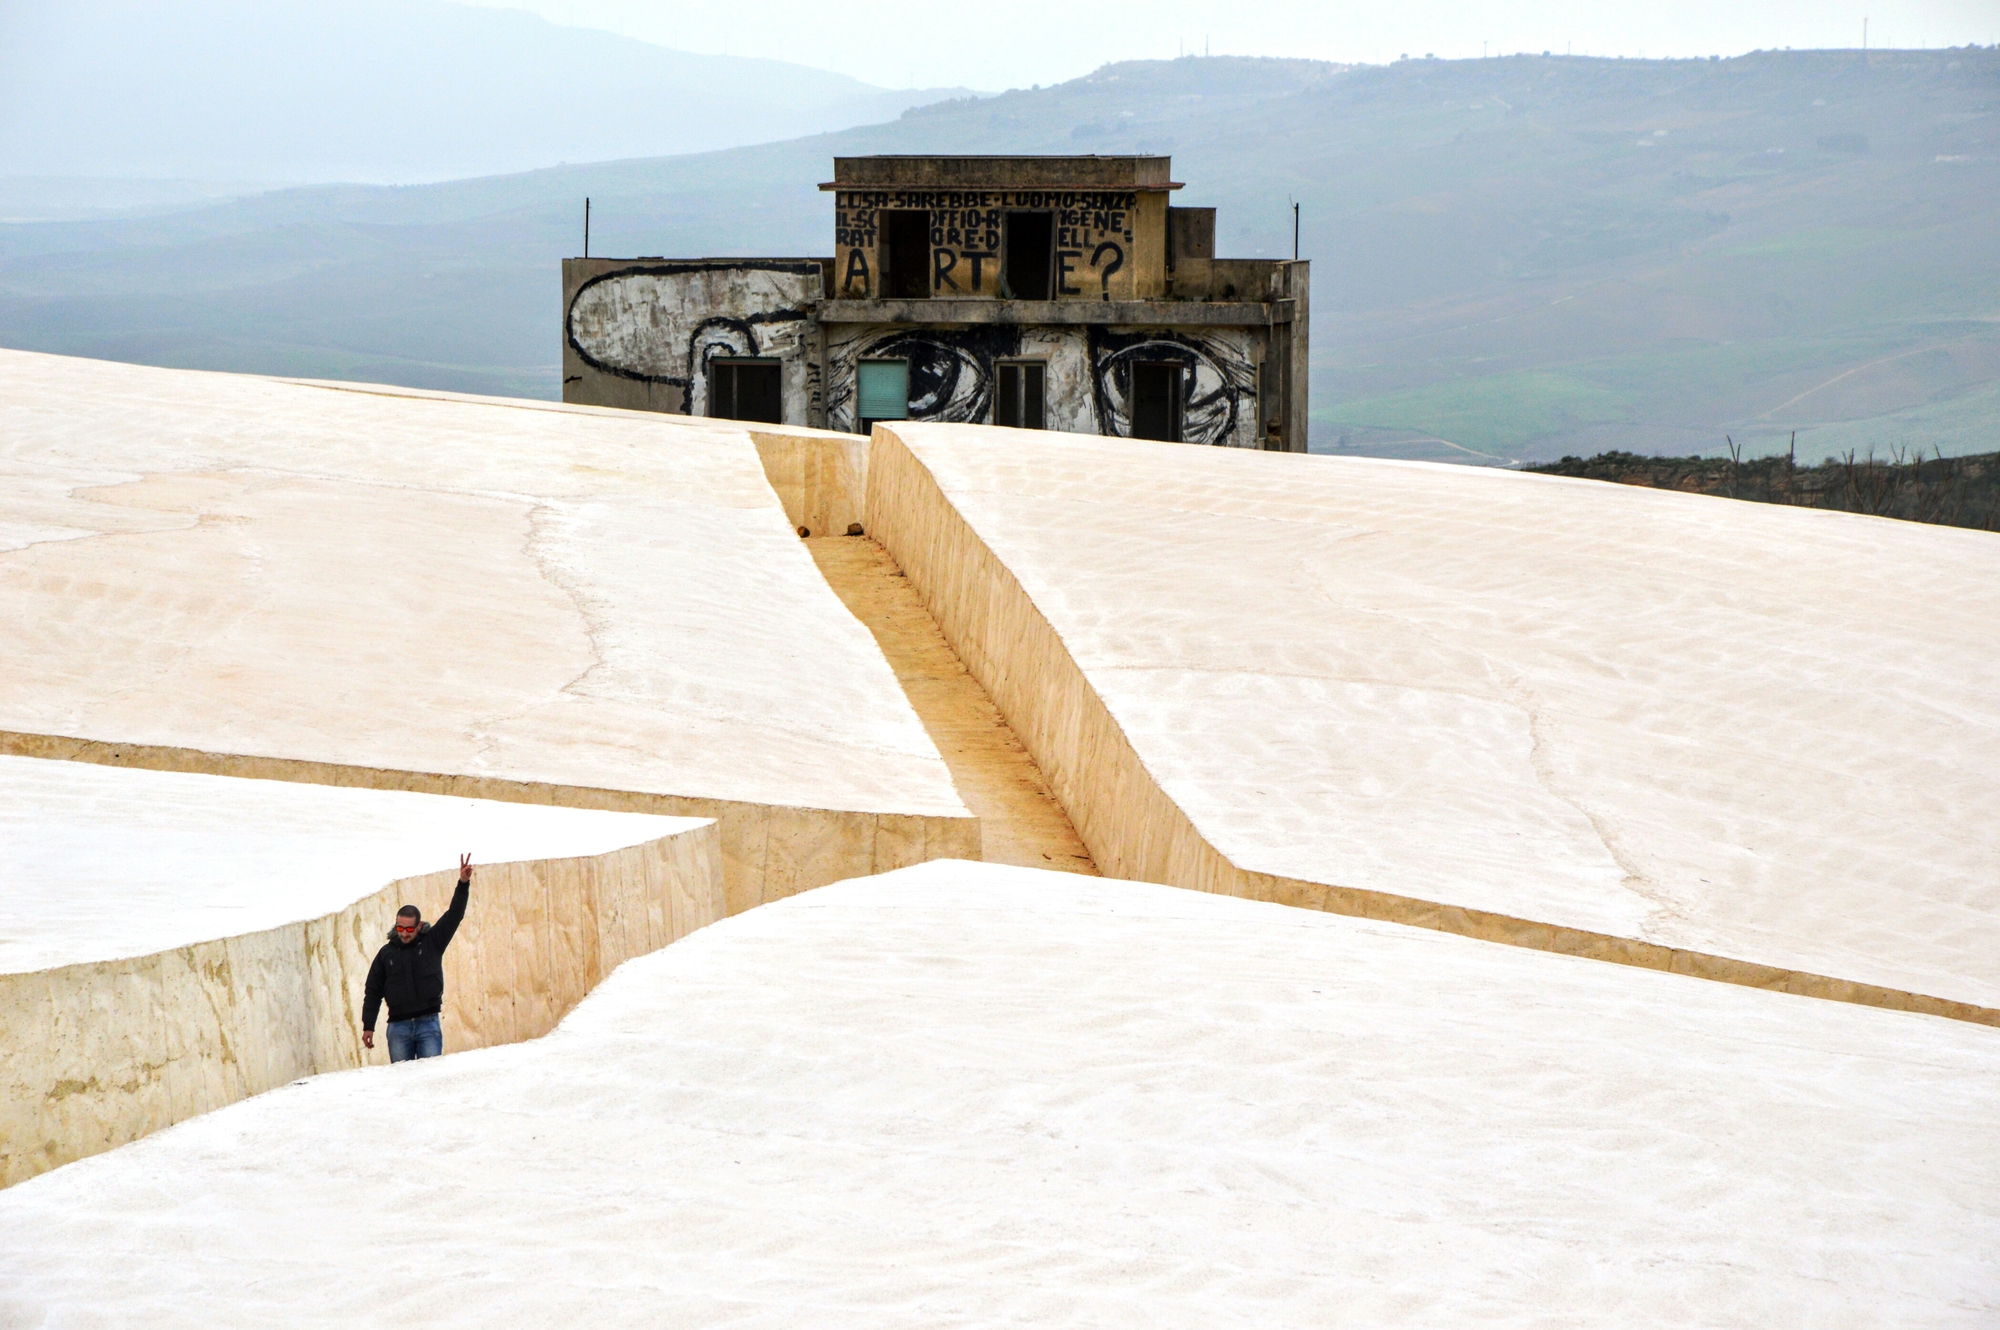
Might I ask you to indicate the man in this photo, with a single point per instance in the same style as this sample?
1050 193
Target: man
408 974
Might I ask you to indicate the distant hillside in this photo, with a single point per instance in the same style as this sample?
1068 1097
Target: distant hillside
1571 256
1514 259
376 90
1945 491
35 198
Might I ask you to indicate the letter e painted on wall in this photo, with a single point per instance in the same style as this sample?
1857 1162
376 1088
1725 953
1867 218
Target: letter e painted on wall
1065 269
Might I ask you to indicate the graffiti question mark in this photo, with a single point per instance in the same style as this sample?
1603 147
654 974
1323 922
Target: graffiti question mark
1117 262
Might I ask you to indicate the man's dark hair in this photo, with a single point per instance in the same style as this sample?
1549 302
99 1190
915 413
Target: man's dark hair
410 910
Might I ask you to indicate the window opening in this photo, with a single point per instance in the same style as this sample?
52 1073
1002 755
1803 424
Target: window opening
1021 394
881 392
906 260
1156 401
743 389
1028 271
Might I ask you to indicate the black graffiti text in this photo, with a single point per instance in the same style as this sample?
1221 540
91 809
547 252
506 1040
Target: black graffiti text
1065 271
854 226
857 271
966 229
949 200
1104 270
944 263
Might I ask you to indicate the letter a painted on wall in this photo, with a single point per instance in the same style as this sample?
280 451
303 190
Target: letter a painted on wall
857 266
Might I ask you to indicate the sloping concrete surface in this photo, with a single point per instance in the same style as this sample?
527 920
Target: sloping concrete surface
100 864
1020 822
974 1094
338 583
1682 731
170 942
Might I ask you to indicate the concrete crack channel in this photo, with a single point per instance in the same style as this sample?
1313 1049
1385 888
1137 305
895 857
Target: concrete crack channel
1020 821
821 480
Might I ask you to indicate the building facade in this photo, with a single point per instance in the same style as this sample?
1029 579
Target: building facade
1041 292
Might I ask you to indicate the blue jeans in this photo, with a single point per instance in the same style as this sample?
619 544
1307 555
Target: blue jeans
418 1037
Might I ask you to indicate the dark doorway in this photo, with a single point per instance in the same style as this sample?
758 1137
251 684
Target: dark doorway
746 390
906 254
1156 402
1019 404
1029 268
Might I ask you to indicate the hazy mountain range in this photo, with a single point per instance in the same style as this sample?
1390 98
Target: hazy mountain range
384 91
1513 258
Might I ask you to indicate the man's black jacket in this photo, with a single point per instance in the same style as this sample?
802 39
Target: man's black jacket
410 975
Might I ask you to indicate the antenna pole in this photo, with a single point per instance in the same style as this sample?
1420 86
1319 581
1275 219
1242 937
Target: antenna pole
586 226
1295 232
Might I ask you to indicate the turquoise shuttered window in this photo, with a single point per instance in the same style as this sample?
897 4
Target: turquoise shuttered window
883 389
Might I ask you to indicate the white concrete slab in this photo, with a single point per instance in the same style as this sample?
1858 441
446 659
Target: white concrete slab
413 582
100 863
967 1094
1763 733
173 942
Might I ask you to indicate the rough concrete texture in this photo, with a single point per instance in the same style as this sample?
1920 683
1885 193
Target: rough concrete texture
1759 744
171 943
1020 822
383 587
973 1094
821 478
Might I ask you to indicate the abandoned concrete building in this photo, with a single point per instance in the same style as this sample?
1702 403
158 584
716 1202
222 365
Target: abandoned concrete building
1061 293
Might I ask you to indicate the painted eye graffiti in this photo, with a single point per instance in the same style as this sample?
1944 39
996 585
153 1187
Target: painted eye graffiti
1214 378
712 338
947 384
951 373
647 323
719 337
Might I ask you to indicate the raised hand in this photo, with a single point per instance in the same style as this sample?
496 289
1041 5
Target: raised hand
465 868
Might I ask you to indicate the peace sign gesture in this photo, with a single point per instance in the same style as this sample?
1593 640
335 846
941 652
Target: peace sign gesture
465 868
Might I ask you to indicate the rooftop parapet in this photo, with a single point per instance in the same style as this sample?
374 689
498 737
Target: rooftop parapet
994 172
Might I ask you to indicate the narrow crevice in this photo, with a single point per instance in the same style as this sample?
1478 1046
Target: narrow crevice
1020 821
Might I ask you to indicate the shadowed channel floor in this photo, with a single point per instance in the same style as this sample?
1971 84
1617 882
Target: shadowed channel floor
1021 823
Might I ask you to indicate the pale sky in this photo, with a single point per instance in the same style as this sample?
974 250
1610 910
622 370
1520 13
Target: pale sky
903 43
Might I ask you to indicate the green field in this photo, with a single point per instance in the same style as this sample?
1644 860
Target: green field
1493 415
1956 427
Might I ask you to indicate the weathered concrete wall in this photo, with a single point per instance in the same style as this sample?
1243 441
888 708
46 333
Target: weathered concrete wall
1135 828
822 479
768 851
1020 822
95 1055
1289 365
1089 374
639 334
